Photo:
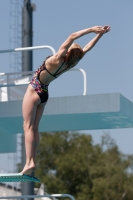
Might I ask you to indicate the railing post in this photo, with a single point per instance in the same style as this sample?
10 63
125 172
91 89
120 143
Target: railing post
85 81
8 89
84 78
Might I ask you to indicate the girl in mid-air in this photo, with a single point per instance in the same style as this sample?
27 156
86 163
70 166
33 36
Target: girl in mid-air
36 96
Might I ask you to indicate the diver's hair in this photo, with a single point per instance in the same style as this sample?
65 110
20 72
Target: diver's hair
75 53
75 45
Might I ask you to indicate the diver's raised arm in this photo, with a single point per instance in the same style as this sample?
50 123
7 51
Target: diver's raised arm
68 42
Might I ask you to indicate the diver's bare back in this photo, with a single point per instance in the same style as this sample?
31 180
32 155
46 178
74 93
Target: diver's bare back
52 64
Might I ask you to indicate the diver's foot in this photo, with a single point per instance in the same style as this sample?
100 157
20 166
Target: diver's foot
28 169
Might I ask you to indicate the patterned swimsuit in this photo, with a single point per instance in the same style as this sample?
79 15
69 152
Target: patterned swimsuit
40 88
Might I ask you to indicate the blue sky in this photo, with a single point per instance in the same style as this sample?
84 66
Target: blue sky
109 65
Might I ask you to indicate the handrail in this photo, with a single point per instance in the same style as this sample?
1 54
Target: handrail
26 197
29 49
84 77
31 72
35 48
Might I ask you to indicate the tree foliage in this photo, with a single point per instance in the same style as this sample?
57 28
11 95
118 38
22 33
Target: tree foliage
71 163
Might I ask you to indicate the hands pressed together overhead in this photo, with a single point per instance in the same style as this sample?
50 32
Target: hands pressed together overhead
101 29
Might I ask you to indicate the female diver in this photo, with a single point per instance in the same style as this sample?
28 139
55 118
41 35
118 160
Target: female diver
36 96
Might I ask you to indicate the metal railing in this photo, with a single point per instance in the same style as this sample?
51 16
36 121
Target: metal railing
29 49
31 72
26 197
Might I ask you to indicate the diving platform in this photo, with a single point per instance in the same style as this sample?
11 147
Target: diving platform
89 112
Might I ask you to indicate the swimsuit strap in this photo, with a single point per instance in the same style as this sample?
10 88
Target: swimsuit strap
49 72
56 73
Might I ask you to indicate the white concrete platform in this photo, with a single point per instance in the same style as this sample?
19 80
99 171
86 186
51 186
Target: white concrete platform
90 112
